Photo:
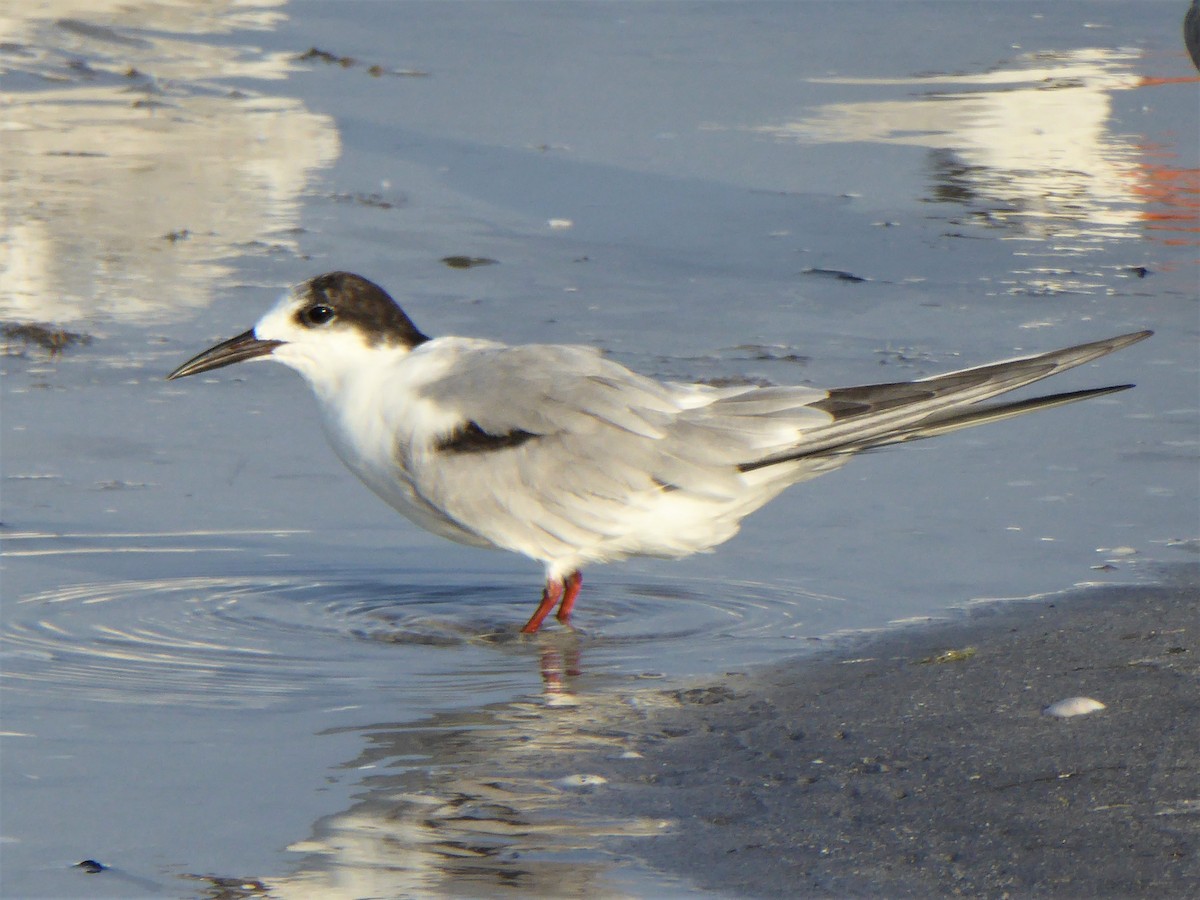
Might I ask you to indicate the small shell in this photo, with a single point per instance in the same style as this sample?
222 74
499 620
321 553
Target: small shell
1073 706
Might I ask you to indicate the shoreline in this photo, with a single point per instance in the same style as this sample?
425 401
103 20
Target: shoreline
919 761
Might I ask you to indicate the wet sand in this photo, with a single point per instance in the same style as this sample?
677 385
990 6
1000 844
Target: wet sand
919 762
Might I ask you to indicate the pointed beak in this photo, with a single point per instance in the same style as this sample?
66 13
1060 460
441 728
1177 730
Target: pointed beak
236 349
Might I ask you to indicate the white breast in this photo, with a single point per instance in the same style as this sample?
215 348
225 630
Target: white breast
372 416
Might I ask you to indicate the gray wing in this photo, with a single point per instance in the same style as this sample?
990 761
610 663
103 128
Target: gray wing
562 444
546 389
557 448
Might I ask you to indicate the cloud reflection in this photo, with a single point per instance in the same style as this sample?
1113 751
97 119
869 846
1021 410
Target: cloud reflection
1030 149
133 168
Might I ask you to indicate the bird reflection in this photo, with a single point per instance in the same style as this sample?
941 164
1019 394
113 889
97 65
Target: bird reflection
560 664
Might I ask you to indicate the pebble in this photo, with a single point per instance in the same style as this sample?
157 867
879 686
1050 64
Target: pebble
1073 706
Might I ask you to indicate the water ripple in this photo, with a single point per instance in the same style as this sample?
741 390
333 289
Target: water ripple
254 642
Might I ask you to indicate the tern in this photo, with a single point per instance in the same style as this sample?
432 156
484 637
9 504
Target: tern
567 457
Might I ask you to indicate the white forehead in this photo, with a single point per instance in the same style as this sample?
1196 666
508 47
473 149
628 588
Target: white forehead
279 322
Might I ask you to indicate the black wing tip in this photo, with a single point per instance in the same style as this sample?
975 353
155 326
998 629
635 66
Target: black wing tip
1084 394
1124 340
1110 345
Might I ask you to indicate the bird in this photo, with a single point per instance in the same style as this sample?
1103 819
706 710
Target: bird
565 456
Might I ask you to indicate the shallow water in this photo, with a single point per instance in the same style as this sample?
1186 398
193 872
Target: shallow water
291 641
215 638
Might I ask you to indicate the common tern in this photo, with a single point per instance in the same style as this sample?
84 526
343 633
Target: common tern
567 457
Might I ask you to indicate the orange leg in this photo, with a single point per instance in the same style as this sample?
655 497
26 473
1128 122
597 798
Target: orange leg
558 592
572 583
551 594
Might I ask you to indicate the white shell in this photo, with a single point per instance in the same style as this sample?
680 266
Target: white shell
1073 706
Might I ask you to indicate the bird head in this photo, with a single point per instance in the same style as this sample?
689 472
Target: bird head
333 317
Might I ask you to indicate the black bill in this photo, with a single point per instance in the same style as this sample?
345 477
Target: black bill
236 349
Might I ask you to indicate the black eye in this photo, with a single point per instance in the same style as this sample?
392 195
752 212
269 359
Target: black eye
317 315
